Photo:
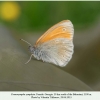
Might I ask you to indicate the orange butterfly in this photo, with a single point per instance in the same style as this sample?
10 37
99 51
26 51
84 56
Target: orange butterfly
55 45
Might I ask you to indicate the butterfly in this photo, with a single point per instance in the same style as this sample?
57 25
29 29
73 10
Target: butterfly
55 45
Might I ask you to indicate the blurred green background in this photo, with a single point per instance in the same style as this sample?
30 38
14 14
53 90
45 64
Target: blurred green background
37 16
29 20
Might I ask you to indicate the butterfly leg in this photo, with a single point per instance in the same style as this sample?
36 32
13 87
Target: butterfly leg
29 59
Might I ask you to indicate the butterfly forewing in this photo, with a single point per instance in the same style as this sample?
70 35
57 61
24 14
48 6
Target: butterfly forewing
64 29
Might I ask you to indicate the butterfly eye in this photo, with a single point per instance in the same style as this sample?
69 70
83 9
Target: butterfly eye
64 29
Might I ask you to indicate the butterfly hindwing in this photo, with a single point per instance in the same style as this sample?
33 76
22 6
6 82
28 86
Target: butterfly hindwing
56 51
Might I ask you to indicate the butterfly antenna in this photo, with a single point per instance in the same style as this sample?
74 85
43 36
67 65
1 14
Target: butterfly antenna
26 42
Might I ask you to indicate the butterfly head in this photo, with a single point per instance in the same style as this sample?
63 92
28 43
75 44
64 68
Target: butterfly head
31 49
